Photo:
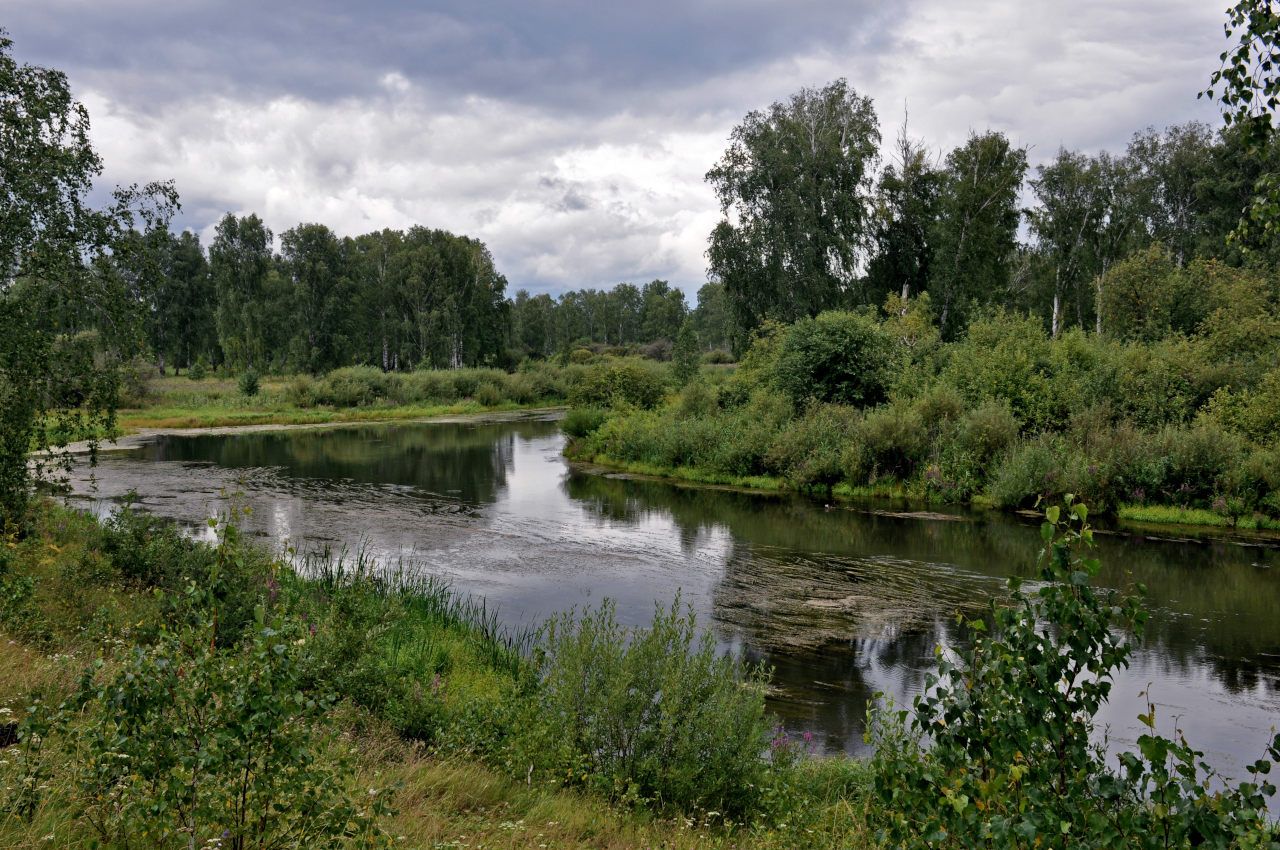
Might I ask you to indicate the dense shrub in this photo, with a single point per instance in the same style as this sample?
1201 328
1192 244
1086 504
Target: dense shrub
696 399
189 746
301 391
581 421
988 430
1033 470
655 714
1198 462
939 404
249 382
998 750
1006 357
845 358
1138 298
353 386
135 382
626 383
890 441
809 451
1253 413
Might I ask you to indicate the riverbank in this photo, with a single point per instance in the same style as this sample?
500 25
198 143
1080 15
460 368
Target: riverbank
354 394
899 500
421 706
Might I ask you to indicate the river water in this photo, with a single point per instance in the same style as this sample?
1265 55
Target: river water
843 601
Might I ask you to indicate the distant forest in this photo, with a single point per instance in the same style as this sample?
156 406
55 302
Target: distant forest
950 226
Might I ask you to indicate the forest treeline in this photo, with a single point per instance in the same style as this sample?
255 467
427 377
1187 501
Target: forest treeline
311 300
397 300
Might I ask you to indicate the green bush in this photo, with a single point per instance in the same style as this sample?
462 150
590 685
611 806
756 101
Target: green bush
198 370
655 714
1254 413
890 442
844 358
1139 298
248 383
1198 462
998 751
1034 470
988 430
717 357
696 399
353 386
1006 357
301 391
581 421
135 382
809 452
429 385
939 404
627 383
489 394
185 746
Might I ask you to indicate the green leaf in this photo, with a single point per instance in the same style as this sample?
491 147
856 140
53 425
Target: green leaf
1052 514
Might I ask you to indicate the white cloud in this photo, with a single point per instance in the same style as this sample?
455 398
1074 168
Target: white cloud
568 197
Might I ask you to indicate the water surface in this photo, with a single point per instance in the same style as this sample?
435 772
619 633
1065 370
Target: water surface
842 601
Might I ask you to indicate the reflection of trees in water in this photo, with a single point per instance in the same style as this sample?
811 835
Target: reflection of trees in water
827 688
1211 605
472 460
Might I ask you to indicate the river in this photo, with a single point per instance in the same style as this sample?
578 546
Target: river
843 601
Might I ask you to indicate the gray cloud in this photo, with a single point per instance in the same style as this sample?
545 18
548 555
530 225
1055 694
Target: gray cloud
573 136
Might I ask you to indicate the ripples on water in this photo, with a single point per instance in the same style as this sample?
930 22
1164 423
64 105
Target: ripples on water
841 602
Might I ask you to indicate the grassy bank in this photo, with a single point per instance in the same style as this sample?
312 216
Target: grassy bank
385 681
356 394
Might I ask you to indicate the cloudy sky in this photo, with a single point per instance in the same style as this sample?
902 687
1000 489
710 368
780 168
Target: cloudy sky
572 137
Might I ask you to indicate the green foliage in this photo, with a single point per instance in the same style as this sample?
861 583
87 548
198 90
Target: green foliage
1033 471
717 357
1252 413
1139 298
845 358
997 751
792 188
1006 357
655 714
199 369
1248 87
248 382
57 277
581 421
988 430
185 745
684 354
976 228
625 383
809 452
890 442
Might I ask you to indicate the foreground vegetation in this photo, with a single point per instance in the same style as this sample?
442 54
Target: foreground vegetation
162 692
160 683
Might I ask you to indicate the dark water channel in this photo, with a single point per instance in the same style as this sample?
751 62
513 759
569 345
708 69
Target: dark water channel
842 601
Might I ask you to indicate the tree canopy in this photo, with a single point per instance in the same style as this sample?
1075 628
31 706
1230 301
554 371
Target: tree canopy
794 190
55 385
